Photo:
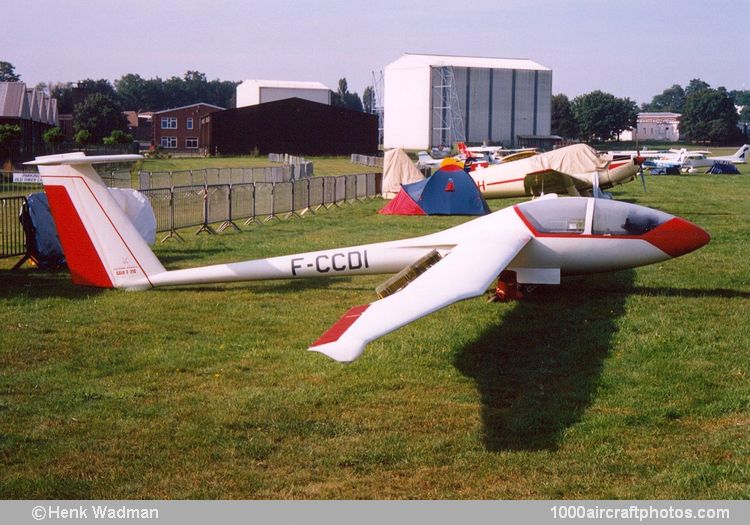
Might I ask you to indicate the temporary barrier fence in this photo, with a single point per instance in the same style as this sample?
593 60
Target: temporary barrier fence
231 205
228 205
367 160
12 236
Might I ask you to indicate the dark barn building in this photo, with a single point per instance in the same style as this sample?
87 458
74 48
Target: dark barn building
293 125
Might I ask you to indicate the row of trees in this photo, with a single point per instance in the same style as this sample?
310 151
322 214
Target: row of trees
708 115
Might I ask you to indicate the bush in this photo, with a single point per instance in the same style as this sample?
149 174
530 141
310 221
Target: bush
53 136
83 137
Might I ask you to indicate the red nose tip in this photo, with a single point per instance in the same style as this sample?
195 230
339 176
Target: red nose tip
677 237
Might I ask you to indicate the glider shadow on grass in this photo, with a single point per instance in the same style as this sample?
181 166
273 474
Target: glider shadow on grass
537 370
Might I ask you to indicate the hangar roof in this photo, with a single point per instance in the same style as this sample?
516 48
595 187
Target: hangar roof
287 84
410 60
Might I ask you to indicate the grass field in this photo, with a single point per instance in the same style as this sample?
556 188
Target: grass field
321 165
633 384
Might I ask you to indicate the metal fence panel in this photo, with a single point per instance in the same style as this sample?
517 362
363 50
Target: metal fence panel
160 200
218 203
340 190
317 191
301 194
329 190
282 197
12 237
188 206
351 188
243 201
263 199
361 185
371 185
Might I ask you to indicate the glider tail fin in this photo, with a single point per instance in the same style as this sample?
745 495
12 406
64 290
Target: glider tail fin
741 154
101 245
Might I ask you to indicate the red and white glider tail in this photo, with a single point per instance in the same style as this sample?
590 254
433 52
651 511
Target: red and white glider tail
101 245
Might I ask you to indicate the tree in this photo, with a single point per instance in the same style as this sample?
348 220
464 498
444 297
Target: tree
9 133
344 99
131 89
672 99
155 94
99 115
740 97
696 85
368 99
102 86
709 116
118 137
602 116
8 73
563 121
53 136
63 92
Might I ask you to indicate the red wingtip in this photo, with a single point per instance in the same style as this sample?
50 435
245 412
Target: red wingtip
341 326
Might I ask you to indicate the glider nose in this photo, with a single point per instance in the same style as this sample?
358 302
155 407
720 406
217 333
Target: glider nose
677 237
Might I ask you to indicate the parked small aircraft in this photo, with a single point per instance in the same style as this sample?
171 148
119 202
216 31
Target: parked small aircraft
699 160
575 170
538 241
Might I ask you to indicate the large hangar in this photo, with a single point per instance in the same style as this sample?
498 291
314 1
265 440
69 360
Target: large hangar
434 100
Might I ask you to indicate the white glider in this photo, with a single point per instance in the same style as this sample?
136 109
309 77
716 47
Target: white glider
538 241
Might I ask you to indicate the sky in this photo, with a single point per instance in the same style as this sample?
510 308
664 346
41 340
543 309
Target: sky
632 48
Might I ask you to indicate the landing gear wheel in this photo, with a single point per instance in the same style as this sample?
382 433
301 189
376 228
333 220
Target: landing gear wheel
507 288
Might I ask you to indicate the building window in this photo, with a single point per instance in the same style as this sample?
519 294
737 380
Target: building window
190 123
168 142
191 142
169 123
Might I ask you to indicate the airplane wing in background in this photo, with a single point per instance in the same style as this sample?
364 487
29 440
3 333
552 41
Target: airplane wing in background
552 181
465 272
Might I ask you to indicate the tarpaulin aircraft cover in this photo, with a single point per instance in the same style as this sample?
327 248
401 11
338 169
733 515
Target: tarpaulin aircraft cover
449 191
398 169
49 252
723 168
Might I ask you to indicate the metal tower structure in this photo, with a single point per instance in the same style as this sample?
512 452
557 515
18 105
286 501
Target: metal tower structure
447 118
378 104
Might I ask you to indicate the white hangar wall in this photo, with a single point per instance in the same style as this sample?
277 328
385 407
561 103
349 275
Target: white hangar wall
498 99
252 92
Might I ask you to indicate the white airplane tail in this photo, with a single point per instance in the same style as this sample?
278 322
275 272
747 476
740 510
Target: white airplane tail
740 156
102 247
424 158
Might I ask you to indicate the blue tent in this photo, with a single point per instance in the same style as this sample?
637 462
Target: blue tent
448 191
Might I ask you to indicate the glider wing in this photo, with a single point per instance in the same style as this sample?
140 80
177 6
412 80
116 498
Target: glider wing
466 271
552 181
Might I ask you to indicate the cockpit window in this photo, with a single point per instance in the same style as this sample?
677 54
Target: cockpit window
621 218
566 215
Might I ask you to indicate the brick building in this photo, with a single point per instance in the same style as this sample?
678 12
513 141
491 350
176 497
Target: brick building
179 128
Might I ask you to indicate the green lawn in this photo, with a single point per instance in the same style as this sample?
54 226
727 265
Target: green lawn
633 384
321 165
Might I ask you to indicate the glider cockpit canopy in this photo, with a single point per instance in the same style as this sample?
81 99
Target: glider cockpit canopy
577 215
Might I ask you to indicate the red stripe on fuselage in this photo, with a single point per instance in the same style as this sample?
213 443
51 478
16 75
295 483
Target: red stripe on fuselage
85 266
341 326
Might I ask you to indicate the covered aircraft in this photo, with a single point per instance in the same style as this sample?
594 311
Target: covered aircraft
539 241
575 170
